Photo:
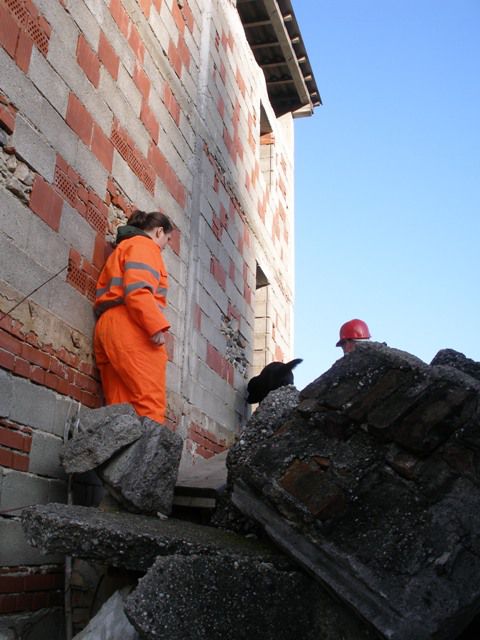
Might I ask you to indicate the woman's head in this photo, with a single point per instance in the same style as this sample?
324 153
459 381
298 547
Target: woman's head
156 224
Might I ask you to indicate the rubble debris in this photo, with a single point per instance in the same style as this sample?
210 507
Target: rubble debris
110 621
269 416
201 583
101 433
200 597
372 484
142 476
452 358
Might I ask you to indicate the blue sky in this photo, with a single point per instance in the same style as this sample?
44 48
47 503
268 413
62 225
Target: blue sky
387 178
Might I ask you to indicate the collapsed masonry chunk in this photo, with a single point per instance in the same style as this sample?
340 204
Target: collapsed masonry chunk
101 433
142 476
136 458
234 597
373 484
132 541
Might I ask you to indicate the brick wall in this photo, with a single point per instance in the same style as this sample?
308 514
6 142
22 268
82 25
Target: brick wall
107 106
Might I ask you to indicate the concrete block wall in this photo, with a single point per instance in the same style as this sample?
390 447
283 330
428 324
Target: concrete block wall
106 106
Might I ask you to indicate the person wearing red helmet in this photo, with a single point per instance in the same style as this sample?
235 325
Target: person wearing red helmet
351 332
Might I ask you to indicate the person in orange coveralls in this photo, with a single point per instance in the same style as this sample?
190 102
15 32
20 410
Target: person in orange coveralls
131 294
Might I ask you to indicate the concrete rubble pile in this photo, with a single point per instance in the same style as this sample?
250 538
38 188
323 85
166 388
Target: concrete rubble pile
372 485
367 482
187 580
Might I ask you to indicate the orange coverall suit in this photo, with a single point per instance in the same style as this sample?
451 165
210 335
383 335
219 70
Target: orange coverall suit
131 293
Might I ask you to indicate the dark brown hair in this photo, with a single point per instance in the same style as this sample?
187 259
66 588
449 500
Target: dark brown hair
148 221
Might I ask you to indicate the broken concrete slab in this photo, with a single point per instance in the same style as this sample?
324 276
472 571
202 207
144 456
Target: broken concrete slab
133 541
89 419
142 476
373 485
212 598
102 435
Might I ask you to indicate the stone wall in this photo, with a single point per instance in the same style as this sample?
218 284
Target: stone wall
105 106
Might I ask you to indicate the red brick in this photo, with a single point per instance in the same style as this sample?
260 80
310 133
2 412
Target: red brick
174 58
107 56
31 8
157 160
205 453
135 42
184 52
172 104
218 272
175 241
7 361
35 356
157 4
12 438
221 107
20 461
102 148
150 122
23 53
223 72
142 81
10 344
46 203
37 374
11 584
61 163
21 367
79 119
188 15
9 32
7 119
88 60
178 16
120 16
146 6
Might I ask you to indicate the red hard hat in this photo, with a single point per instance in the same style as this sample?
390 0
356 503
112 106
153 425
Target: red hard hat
353 330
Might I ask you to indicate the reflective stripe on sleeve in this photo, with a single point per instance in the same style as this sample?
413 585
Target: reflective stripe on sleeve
142 265
113 282
138 285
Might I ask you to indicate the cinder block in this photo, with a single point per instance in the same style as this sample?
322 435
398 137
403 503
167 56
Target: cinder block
48 81
61 21
76 231
133 187
36 108
6 394
21 272
33 149
71 306
44 455
132 94
86 22
15 550
167 28
99 11
18 490
38 407
91 170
